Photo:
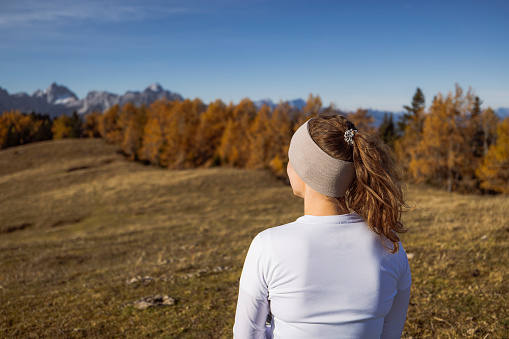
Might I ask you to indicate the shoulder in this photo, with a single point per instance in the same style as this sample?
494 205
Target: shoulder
279 231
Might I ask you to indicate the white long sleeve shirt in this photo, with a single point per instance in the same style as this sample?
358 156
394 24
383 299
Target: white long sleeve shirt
323 277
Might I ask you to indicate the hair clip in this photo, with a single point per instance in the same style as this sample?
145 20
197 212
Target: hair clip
349 136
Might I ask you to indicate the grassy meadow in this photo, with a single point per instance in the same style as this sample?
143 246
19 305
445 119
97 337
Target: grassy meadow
85 233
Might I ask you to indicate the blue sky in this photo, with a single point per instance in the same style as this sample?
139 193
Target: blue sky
370 54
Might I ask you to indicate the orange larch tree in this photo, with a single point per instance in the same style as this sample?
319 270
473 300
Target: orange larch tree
494 170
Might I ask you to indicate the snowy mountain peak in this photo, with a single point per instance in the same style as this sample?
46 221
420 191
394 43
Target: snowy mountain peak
154 88
58 95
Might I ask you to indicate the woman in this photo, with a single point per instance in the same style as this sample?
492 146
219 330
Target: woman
331 273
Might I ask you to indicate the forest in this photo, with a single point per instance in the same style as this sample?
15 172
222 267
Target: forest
453 144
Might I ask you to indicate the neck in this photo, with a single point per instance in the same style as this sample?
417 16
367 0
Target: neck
320 205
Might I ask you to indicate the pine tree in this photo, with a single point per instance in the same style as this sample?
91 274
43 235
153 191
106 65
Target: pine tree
42 127
414 113
387 130
76 125
410 127
489 121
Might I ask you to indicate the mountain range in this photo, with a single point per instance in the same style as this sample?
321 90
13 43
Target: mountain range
57 100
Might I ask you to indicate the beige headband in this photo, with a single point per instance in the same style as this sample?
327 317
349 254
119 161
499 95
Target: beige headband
325 174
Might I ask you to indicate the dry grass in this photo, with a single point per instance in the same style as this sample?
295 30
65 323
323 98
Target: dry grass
77 223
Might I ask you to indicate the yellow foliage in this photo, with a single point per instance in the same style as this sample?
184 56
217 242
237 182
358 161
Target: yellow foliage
91 125
61 127
108 125
494 170
278 167
16 129
154 131
441 154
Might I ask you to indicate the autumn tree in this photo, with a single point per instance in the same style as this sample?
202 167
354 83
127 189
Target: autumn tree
62 127
91 125
210 130
261 139
179 148
67 127
131 123
442 154
312 108
108 125
494 170
158 116
234 147
17 129
282 131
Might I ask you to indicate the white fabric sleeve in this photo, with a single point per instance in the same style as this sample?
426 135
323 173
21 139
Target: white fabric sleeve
253 304
250 317
405 276
395 319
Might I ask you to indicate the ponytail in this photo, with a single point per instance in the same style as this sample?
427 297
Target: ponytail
376 192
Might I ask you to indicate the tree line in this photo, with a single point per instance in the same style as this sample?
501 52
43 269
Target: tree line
454 144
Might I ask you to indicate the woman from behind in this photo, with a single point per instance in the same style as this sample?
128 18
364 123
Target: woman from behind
340 270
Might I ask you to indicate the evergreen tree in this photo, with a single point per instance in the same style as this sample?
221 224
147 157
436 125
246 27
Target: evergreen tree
43 127
414 113
476 110
476 129
387 130
76 125
489 121
410 126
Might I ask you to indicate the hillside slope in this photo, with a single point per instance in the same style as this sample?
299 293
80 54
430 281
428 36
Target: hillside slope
84 234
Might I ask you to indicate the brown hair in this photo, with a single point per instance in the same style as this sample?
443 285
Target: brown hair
376 192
